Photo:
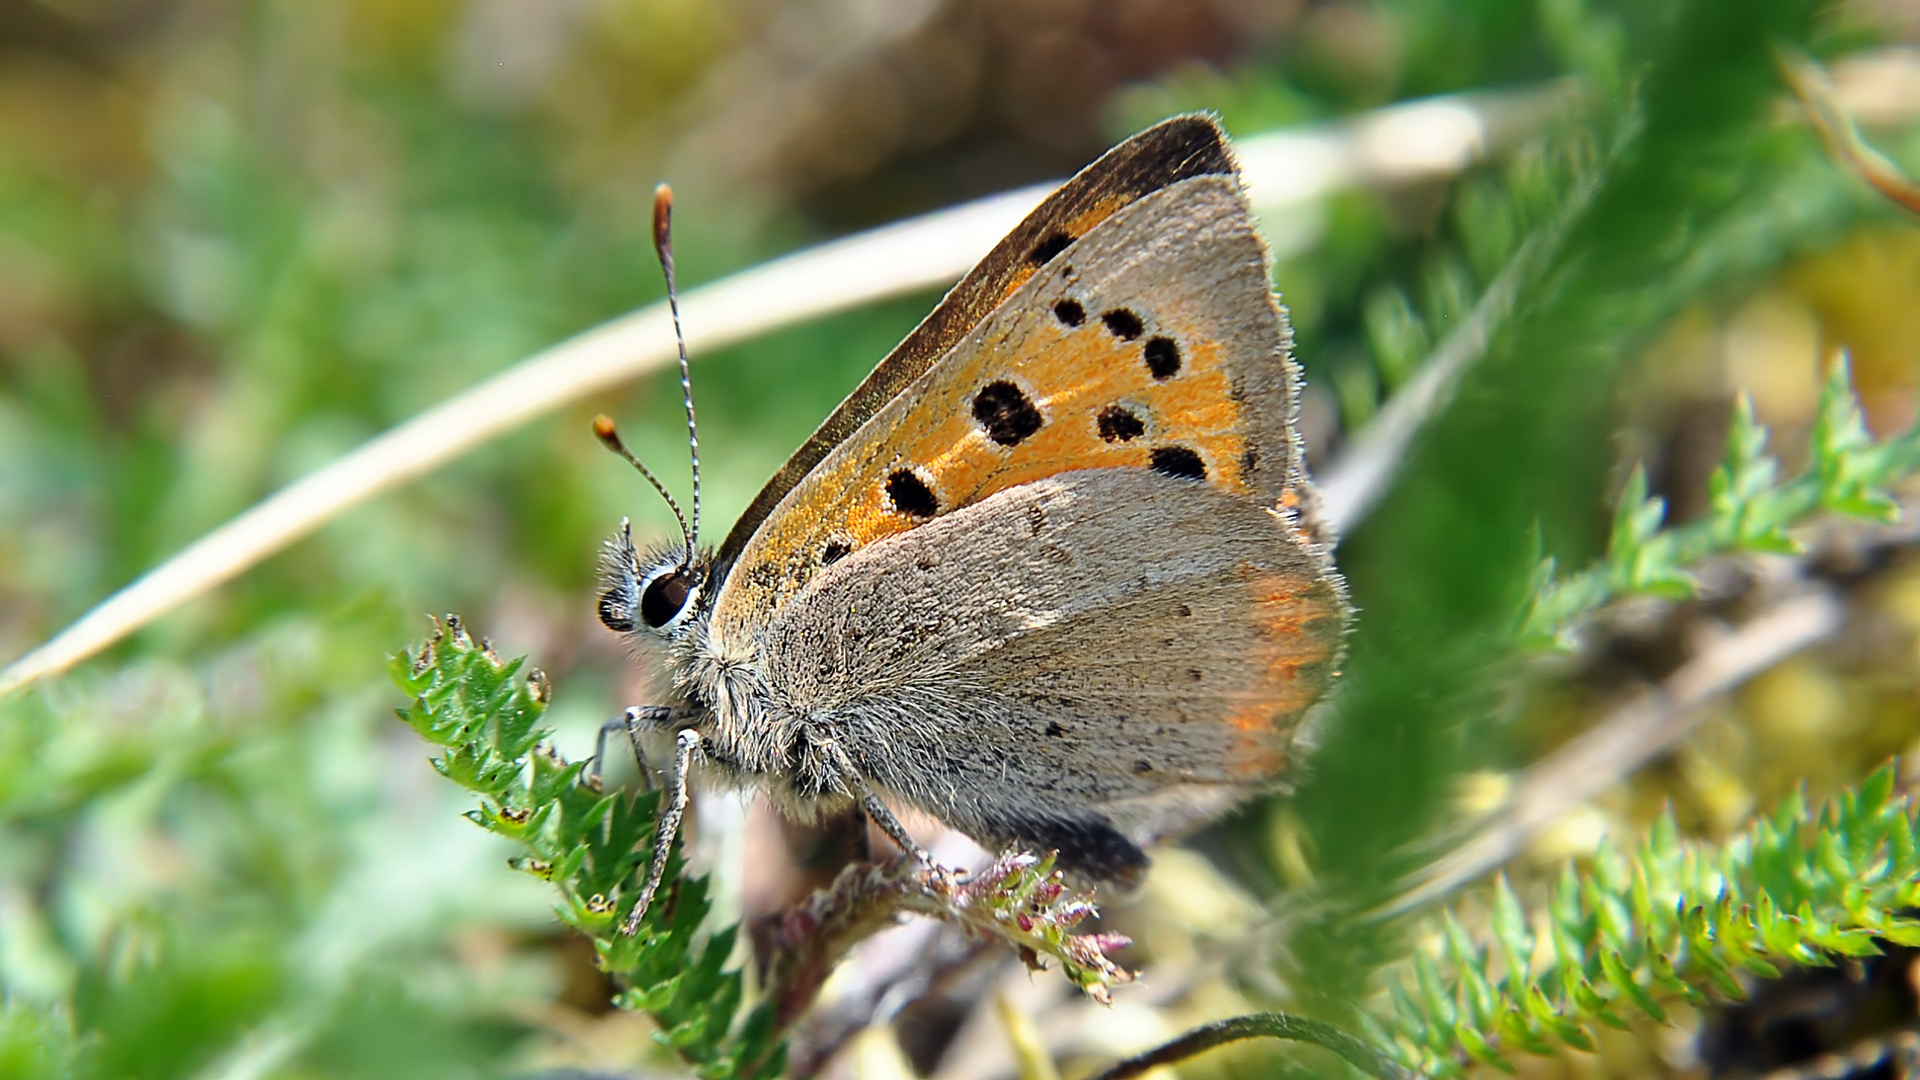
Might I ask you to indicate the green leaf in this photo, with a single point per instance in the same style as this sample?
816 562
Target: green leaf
588 843
1675 919
1749 511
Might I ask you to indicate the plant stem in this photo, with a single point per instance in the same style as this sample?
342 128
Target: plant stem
1269 1025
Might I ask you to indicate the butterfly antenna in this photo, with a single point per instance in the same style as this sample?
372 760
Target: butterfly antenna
663 246
604 431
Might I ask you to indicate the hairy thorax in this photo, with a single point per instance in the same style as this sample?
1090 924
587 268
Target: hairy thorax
750 739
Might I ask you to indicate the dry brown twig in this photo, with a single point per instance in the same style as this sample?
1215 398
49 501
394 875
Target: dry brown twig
1809 609
1621 743
1019 899
1835 124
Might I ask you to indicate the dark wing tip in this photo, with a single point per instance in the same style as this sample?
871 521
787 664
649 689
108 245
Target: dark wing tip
1182 147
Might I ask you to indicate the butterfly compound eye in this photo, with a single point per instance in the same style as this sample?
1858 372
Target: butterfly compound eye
664 598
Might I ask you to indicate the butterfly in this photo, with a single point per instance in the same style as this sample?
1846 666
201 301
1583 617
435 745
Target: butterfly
1050 574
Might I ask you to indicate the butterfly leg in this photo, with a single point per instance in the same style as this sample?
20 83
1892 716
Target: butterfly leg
630 722
877 810
685 745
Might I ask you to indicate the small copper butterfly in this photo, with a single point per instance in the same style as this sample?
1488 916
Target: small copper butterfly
1050 574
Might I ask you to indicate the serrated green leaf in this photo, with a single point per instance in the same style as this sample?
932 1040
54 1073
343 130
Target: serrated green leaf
1675 918
486 714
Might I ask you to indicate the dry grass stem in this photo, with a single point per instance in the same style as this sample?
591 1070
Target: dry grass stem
1613 749
1283 170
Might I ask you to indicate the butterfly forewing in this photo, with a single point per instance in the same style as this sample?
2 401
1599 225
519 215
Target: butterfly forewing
1178 149
1153 343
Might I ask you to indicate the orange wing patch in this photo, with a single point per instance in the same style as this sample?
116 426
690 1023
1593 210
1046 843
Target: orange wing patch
1086 394
1167 154
1154 342
1298 624
1090 403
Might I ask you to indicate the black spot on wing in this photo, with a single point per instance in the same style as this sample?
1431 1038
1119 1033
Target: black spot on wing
1163 358
1179 462
1119 424
1070 312
1054 730
1006 413
1050 245
1123 324
910 495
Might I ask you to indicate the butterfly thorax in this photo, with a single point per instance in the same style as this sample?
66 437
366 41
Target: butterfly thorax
750 738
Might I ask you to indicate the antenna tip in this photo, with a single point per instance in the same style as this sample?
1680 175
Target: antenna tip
604 431
662 214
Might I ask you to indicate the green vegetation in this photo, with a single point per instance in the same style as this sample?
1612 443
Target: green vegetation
235 243
1668 920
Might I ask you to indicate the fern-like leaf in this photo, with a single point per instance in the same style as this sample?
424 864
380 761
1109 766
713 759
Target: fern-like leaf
1672 920
1847 473
486 716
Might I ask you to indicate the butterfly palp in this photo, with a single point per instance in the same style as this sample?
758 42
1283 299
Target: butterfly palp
616 610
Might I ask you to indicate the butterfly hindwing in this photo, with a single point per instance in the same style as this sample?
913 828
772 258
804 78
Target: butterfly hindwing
1043 665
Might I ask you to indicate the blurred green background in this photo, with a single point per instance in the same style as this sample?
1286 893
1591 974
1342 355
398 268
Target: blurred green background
238 238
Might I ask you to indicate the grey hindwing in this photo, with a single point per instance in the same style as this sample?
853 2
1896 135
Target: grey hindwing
1026 667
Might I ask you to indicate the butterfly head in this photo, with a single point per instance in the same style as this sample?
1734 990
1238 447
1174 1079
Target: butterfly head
652 593
656 593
